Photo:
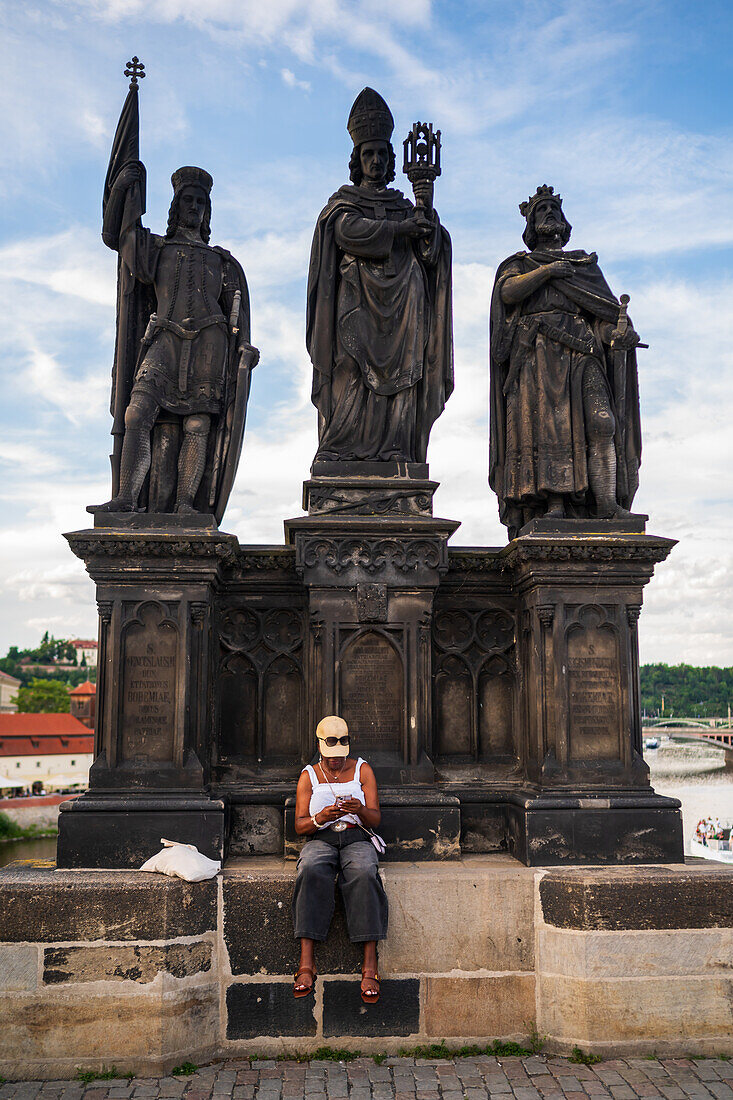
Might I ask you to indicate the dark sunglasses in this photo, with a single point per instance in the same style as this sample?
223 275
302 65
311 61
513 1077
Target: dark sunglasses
331 741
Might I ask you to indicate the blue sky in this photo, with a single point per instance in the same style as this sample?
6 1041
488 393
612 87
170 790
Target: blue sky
624 107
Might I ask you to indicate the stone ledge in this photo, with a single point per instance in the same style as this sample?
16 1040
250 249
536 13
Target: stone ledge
55 906
449 933
645 898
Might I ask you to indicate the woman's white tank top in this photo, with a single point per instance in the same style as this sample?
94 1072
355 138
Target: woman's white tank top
323 794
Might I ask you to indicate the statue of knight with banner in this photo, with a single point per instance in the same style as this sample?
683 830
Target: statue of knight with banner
183 357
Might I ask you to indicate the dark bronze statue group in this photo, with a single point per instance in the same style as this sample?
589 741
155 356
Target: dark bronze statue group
565 437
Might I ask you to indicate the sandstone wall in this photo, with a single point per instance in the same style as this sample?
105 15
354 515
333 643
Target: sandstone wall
101 968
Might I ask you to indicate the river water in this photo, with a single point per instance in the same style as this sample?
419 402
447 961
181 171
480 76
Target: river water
41 848
694 773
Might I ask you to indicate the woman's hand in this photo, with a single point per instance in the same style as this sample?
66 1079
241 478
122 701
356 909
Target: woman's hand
351 805
331 813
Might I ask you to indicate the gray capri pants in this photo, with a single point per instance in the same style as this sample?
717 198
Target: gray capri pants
356 864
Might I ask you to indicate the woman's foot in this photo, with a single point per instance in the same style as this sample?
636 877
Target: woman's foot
304 981
369 975
305 977
369 986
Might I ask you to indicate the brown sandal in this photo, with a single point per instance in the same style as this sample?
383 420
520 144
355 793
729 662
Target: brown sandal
368 996
304 992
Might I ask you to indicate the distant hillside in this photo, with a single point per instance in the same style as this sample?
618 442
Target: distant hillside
688 691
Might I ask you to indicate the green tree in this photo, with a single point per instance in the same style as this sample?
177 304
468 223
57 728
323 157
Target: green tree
43 697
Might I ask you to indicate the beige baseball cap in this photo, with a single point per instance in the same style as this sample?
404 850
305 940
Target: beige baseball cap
331 732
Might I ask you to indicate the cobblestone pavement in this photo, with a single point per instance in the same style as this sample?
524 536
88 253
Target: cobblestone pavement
536 1078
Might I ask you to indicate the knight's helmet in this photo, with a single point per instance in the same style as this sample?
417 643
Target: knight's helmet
370 118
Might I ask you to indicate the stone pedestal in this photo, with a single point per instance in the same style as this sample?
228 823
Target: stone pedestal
156 579
586 796
371 556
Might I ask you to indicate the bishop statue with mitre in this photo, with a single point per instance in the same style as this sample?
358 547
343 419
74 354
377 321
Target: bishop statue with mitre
379 320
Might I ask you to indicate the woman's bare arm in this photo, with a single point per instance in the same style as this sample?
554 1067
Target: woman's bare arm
303 821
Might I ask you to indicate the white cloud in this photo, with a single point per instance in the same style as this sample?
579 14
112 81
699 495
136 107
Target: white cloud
292 81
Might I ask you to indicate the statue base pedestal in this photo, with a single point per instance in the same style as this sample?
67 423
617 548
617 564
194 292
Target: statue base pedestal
422 823
157 580
550 830
125 831
369 489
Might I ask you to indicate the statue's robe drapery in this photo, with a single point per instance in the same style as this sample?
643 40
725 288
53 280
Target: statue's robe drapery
379 328
155 366
538 443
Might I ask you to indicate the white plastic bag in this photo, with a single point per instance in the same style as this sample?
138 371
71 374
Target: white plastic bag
182 861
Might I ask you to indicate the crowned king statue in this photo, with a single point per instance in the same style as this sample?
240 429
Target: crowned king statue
379 315
565 431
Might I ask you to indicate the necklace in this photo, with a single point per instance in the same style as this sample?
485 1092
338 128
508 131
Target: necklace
337 826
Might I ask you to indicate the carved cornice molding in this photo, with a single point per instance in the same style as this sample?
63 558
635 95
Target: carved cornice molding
649 552
105 610
465 561
266 561
91 546
372 556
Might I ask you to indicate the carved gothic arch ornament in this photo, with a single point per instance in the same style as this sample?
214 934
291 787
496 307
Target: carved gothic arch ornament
473 648
261 696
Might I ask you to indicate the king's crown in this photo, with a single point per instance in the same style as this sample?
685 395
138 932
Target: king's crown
542 192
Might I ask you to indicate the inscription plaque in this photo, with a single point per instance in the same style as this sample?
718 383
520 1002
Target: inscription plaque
148 719
593 672
372 694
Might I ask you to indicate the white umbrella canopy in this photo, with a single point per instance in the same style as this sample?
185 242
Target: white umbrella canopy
6 781
64 780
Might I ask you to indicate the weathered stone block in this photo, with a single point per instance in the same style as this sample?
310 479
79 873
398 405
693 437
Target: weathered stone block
49 906
396 1013
119 1029
141 963
258 927
633 1010
487 1007
266 1009
483 827
474 915
631 954
658 897
255 830
18 968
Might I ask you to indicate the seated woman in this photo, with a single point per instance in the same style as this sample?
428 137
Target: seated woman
333 801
